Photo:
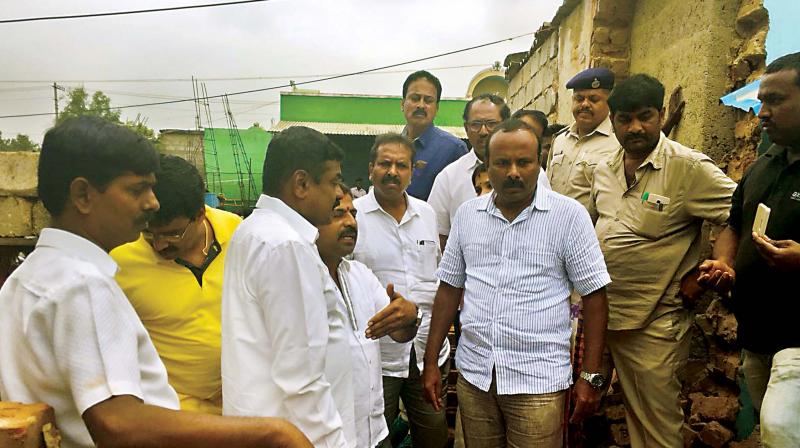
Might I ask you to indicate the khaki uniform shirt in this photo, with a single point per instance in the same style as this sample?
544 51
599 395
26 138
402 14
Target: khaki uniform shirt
650 233
573 159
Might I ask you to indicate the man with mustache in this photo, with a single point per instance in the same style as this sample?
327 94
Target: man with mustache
453 186
182 251
372 315
285 349
577 151
515 255
759 270
649 200
399 242
434 148
68 335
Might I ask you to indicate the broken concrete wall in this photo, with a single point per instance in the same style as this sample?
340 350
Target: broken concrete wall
749 56
688 44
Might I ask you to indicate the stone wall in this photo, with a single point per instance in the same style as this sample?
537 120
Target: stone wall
22 215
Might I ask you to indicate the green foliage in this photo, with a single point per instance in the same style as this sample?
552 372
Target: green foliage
99 106
19 143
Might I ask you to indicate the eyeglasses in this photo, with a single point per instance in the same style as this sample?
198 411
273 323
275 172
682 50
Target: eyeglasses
475 126
170 238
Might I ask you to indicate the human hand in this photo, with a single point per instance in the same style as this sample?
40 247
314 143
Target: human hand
717 275
587 401
783 255
432 386
398 314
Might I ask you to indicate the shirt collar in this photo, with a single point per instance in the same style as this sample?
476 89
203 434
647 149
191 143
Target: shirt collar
78 246
307 231
656 156
541 201
423 138
777 153
369 203
603 128
222 233
471 160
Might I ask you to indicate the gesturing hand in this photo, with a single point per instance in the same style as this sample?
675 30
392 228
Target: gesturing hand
398 314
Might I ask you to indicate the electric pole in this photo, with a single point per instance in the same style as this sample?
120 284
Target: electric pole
56 88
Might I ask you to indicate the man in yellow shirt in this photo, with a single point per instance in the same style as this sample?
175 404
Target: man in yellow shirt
172 276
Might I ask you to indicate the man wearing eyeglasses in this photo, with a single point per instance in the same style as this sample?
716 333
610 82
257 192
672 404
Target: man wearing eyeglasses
453 186
434 148
173 277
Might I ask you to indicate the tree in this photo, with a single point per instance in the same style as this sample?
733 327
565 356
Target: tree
100 106
19 143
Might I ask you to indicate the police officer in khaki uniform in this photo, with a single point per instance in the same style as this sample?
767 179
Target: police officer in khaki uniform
577 150
649 200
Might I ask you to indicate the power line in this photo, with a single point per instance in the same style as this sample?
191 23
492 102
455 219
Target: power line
122 13
237 78
329 78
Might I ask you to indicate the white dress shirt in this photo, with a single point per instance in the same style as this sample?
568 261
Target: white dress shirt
285 349
70 338
453 186
364 297
405 254
517 277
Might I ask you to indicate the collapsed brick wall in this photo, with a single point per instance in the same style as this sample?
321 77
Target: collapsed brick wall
749 56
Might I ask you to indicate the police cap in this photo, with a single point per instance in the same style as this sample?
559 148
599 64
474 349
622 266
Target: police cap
592 78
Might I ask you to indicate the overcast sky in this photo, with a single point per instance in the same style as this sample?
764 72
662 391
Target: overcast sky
286 39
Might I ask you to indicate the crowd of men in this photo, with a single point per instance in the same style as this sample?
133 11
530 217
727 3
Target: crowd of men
146 318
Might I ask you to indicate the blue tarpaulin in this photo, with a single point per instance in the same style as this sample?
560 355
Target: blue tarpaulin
744 98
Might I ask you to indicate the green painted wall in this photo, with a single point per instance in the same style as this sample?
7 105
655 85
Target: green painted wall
255 141
362 110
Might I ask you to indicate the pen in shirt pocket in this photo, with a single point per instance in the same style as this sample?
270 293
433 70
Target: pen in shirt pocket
426 242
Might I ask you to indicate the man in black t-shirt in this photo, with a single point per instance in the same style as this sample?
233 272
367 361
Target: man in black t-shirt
760 270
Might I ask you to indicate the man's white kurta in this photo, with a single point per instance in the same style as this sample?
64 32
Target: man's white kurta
285 349
365 296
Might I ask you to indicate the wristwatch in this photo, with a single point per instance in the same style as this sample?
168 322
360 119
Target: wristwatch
596 380
418 320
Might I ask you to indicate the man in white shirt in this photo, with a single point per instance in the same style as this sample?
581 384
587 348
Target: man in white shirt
285 349
398 240
358 190
515 255
453 186
371 315
68 335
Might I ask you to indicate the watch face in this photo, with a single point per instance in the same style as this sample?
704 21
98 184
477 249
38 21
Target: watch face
597 381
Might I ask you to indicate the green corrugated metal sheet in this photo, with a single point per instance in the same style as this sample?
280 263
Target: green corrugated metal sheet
255 142
329 108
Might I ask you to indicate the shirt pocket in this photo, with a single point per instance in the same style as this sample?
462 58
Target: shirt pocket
650 221
426 260
558 159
